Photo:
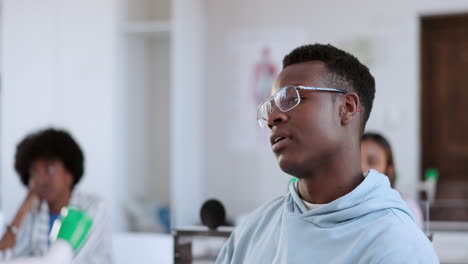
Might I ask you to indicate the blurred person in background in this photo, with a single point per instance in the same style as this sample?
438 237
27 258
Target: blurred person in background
50 163
376 153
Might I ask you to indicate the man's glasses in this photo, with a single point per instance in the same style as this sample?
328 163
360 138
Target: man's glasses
285 99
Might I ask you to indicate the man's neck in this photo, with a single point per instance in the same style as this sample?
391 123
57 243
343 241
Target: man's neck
56 206
331 180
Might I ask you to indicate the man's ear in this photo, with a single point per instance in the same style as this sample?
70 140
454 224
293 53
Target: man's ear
349 108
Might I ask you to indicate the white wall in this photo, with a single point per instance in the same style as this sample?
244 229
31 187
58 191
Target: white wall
58 70
244 180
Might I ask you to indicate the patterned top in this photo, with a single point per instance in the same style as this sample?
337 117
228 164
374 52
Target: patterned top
33 234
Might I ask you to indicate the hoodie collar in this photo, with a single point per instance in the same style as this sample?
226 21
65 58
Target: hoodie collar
372 194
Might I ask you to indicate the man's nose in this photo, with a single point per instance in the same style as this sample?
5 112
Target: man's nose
276 117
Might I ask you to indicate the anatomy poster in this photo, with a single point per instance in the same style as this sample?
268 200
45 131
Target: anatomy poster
256 58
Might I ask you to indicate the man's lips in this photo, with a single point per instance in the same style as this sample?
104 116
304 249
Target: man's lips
279 141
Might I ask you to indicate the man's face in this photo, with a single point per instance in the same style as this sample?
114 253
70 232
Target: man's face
50 179
309 134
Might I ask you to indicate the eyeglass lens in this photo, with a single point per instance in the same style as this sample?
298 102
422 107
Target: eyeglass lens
285 99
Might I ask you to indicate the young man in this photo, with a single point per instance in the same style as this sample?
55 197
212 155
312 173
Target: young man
334 213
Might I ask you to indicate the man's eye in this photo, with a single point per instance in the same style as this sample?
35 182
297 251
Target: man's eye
293 100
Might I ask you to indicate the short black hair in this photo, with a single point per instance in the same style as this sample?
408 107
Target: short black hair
347 72
51 144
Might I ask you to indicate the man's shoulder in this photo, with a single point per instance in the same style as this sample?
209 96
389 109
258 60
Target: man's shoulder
257 236
268 209
394 222
408 245
391 236
263 216
409 238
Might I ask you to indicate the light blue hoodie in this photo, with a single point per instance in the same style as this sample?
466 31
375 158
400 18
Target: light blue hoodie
371 224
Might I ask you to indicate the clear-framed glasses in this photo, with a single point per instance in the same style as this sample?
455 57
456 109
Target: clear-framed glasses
285 99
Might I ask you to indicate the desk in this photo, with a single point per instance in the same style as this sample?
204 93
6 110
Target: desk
198 244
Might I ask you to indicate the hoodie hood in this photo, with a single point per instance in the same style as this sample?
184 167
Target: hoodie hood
373 194
371 224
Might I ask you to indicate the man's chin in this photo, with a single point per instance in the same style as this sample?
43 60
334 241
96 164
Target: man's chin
288 165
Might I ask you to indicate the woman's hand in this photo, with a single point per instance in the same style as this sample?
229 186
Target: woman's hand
32 191
7 241
9 238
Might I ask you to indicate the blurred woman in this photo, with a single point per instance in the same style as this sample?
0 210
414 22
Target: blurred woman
376 154
50 163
